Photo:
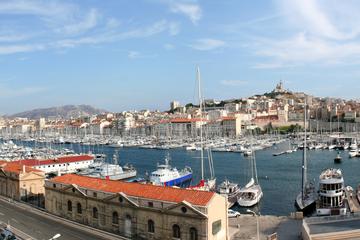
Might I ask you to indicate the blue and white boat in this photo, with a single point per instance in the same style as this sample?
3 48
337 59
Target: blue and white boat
165 175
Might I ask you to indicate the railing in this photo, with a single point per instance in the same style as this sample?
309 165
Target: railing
312 220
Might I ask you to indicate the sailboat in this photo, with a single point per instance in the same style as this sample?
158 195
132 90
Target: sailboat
306 199
209 184
251 193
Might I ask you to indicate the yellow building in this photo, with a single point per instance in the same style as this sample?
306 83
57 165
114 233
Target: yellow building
20 182
138 211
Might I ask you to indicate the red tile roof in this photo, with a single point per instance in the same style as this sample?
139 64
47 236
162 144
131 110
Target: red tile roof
15 167
228 118
168 194
186 120
67 159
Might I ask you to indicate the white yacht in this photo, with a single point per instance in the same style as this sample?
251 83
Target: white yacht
251 193
331 193
110 171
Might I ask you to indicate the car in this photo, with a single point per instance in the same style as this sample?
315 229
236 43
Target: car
232 213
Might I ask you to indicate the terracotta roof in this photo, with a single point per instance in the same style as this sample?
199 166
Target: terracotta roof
228 118
67 159
186 120
168 194
16 167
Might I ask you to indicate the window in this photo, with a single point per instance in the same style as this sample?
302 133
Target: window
69 206
151 226
216 227
183 209
120 199
176 231
115 218
79 209
150 204
95 213
94 194
54 185
193 234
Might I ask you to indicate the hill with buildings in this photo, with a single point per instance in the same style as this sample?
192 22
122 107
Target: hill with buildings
64 112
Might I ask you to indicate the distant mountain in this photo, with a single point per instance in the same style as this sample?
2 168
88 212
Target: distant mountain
66 112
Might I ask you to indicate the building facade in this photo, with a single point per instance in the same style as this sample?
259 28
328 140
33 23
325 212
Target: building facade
20 182
138 211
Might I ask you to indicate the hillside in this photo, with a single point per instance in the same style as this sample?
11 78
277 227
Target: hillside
66 112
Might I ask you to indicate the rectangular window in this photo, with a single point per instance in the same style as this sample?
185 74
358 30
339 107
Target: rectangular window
216 227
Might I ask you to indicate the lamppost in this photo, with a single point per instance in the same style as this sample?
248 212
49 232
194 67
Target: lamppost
257 222
56 236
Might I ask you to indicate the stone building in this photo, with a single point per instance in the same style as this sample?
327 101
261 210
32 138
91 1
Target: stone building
20 182
138 211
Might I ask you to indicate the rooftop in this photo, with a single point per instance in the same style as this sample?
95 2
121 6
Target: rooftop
168 194
66 159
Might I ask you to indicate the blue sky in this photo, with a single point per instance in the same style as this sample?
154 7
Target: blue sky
126 54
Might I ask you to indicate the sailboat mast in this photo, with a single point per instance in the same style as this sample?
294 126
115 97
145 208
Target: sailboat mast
201 134
304 167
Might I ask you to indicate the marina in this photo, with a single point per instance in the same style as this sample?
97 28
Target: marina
279 190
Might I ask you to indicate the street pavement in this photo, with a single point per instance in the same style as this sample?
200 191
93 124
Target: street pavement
39 227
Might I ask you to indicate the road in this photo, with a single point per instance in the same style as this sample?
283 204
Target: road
39 227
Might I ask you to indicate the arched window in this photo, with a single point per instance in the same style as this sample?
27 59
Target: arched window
176 231
79 209
95 213
69 205
193 234
151 226
115 218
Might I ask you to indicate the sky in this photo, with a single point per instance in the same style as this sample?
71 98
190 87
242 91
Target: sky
126 55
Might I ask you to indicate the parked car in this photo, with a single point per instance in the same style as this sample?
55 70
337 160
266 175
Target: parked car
232 213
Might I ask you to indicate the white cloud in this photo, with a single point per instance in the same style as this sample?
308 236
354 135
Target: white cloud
112 23
137 55
144 32
134 54
169 46
7 92
234 83
11 49
12 37
323 18
302 49
206 44
88 22
191 10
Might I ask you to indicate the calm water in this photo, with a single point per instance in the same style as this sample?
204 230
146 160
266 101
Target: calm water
279 177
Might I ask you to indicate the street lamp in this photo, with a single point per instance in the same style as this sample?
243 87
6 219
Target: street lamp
56 236
257 222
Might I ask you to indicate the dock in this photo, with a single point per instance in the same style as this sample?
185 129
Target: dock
352 200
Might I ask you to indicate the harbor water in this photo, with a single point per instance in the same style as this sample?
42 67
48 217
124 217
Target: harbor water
279 176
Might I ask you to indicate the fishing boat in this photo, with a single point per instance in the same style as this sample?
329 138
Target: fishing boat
165 175
229 190
306 199
331 193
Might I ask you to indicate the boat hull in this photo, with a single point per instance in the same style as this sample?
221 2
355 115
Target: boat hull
183 181
307 207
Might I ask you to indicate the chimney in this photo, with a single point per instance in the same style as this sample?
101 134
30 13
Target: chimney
24 168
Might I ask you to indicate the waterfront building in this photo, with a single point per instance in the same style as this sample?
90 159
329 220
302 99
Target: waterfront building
20 182
138 211
60 165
